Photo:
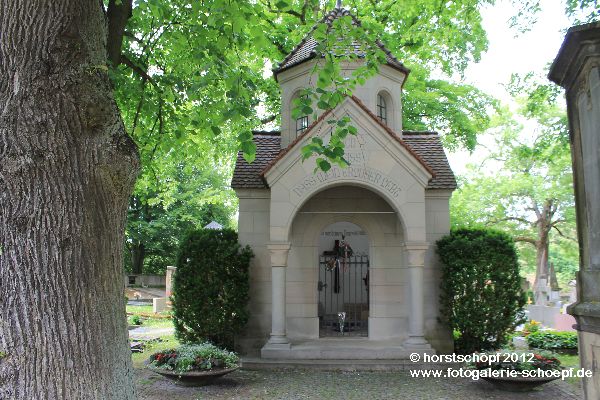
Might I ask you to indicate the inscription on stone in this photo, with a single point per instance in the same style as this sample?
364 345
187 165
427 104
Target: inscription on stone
358 173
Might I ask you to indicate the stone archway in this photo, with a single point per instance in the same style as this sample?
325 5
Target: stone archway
388 273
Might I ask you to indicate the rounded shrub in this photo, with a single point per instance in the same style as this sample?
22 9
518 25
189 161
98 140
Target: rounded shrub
210 287
481 294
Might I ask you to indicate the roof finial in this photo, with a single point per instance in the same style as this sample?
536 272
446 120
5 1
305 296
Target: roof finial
338 4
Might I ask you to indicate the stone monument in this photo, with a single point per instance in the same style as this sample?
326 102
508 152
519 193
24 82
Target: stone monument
577 69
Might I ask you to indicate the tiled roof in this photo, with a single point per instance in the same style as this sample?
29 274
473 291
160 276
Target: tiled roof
426 145
268 145
306 49
429 147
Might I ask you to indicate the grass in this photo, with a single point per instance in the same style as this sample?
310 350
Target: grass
139 310
149 318
570 361
167 342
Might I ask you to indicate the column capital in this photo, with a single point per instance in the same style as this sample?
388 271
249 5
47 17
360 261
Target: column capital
279 253
415 253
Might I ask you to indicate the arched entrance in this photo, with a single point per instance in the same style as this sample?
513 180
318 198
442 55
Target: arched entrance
343 285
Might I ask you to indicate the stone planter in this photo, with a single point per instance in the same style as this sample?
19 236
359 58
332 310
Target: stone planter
193 378
518 384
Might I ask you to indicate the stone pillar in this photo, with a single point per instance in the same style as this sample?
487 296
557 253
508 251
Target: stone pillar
169 281
278 340
415 261
577 69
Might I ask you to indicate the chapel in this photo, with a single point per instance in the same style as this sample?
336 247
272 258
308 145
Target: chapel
345 264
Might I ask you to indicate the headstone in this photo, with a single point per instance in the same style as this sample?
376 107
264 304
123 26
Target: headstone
541 292
159 304
520 343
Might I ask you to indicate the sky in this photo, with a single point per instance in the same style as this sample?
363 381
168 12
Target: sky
512 52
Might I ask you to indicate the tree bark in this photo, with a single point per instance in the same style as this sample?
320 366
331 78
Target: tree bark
67 168
138 254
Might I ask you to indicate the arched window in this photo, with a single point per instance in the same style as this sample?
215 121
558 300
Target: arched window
382 108
302 120
301 124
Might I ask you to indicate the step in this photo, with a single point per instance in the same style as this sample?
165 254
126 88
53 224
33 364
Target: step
252 363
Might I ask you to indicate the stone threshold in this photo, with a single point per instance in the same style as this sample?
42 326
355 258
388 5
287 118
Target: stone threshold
255 363
352 348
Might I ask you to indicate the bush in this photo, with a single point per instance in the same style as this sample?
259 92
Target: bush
210 288
481 288
135 320
549 340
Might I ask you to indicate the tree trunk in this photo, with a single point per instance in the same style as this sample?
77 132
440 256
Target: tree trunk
67 168
541 249
542 245
138 253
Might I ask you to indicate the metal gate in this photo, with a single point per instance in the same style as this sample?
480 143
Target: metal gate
343 286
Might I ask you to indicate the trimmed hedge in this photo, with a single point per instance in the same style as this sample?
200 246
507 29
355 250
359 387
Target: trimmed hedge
481 288
210 287
549 340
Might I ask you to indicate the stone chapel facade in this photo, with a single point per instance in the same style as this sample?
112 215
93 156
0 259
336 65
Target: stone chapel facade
358 240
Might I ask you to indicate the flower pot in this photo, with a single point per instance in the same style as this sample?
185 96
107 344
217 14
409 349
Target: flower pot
519 383
193 378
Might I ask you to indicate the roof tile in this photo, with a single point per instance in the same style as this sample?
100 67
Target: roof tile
306 49
426 145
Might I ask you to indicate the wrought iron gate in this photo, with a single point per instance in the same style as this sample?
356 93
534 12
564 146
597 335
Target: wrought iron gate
343 286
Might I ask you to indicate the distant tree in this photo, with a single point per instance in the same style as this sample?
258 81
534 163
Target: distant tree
156 222
525 186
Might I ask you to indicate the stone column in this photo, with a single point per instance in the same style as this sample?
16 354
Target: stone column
169 281
577 69
279 255
415 261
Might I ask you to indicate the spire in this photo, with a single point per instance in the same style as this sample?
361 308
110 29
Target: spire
338 4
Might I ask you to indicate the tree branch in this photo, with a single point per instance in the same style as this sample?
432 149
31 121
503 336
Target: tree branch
511 219
138 70
563 235
525 239
117 15
268 119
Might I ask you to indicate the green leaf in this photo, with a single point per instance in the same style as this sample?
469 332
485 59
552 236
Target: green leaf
323 165
282 5
322 105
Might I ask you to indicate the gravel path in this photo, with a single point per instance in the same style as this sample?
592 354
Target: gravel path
307 384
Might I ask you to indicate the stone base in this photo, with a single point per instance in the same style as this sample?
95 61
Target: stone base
270 349
345 349
417 343
589 355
